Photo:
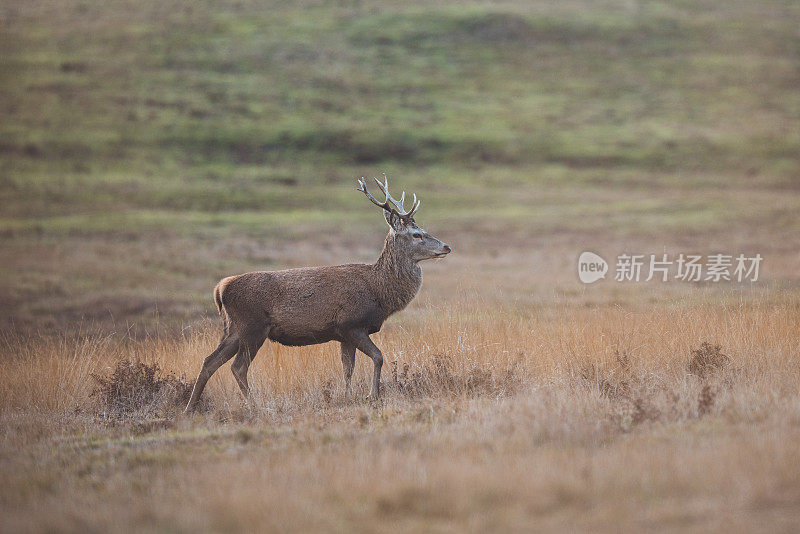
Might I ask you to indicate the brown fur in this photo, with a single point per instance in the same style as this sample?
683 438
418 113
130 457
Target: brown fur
310 305
317 304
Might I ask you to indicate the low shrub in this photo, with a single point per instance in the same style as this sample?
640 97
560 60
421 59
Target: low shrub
137 389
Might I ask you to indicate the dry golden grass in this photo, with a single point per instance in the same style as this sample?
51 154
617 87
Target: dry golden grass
148 149
566 418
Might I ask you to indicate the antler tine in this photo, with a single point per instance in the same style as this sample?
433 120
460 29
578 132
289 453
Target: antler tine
390 204
384 187
414 206
399 205
362 186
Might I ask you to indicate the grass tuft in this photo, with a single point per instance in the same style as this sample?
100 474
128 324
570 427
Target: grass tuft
134 389
707 360
440 375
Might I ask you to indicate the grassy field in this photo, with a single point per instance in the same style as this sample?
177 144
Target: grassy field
148 149
599 420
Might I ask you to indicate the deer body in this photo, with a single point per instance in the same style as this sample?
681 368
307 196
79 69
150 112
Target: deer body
311 305
319 304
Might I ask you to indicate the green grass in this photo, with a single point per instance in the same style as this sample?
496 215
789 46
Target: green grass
227 120
656 87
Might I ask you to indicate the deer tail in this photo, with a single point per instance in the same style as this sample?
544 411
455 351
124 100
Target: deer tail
218 297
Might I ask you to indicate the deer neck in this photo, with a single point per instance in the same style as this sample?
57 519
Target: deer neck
398 276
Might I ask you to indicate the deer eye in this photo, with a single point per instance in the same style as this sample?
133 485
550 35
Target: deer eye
416 235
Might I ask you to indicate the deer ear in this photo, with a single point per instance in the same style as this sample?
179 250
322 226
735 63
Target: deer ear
393 220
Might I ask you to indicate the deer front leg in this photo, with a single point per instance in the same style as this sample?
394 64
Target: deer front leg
363 343
348 351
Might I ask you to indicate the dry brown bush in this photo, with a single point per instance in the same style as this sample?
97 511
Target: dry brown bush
440 375
138 389
632 398
707 360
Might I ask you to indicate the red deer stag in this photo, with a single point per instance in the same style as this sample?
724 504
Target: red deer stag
310 305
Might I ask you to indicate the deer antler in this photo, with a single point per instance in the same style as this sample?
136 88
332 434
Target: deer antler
390 204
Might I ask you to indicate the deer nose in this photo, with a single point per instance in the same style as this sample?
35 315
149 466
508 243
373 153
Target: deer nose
447 249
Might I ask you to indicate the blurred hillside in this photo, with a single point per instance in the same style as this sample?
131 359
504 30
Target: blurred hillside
149 148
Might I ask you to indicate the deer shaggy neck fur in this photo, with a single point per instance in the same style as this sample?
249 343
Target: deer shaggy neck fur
398 277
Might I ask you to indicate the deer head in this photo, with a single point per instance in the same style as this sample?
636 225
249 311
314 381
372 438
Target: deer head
407 236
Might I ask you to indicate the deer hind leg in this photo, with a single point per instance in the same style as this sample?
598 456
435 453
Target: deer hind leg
348 351
363 343
224 352
249 343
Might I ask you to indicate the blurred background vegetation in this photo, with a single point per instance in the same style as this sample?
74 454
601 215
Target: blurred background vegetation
149 148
